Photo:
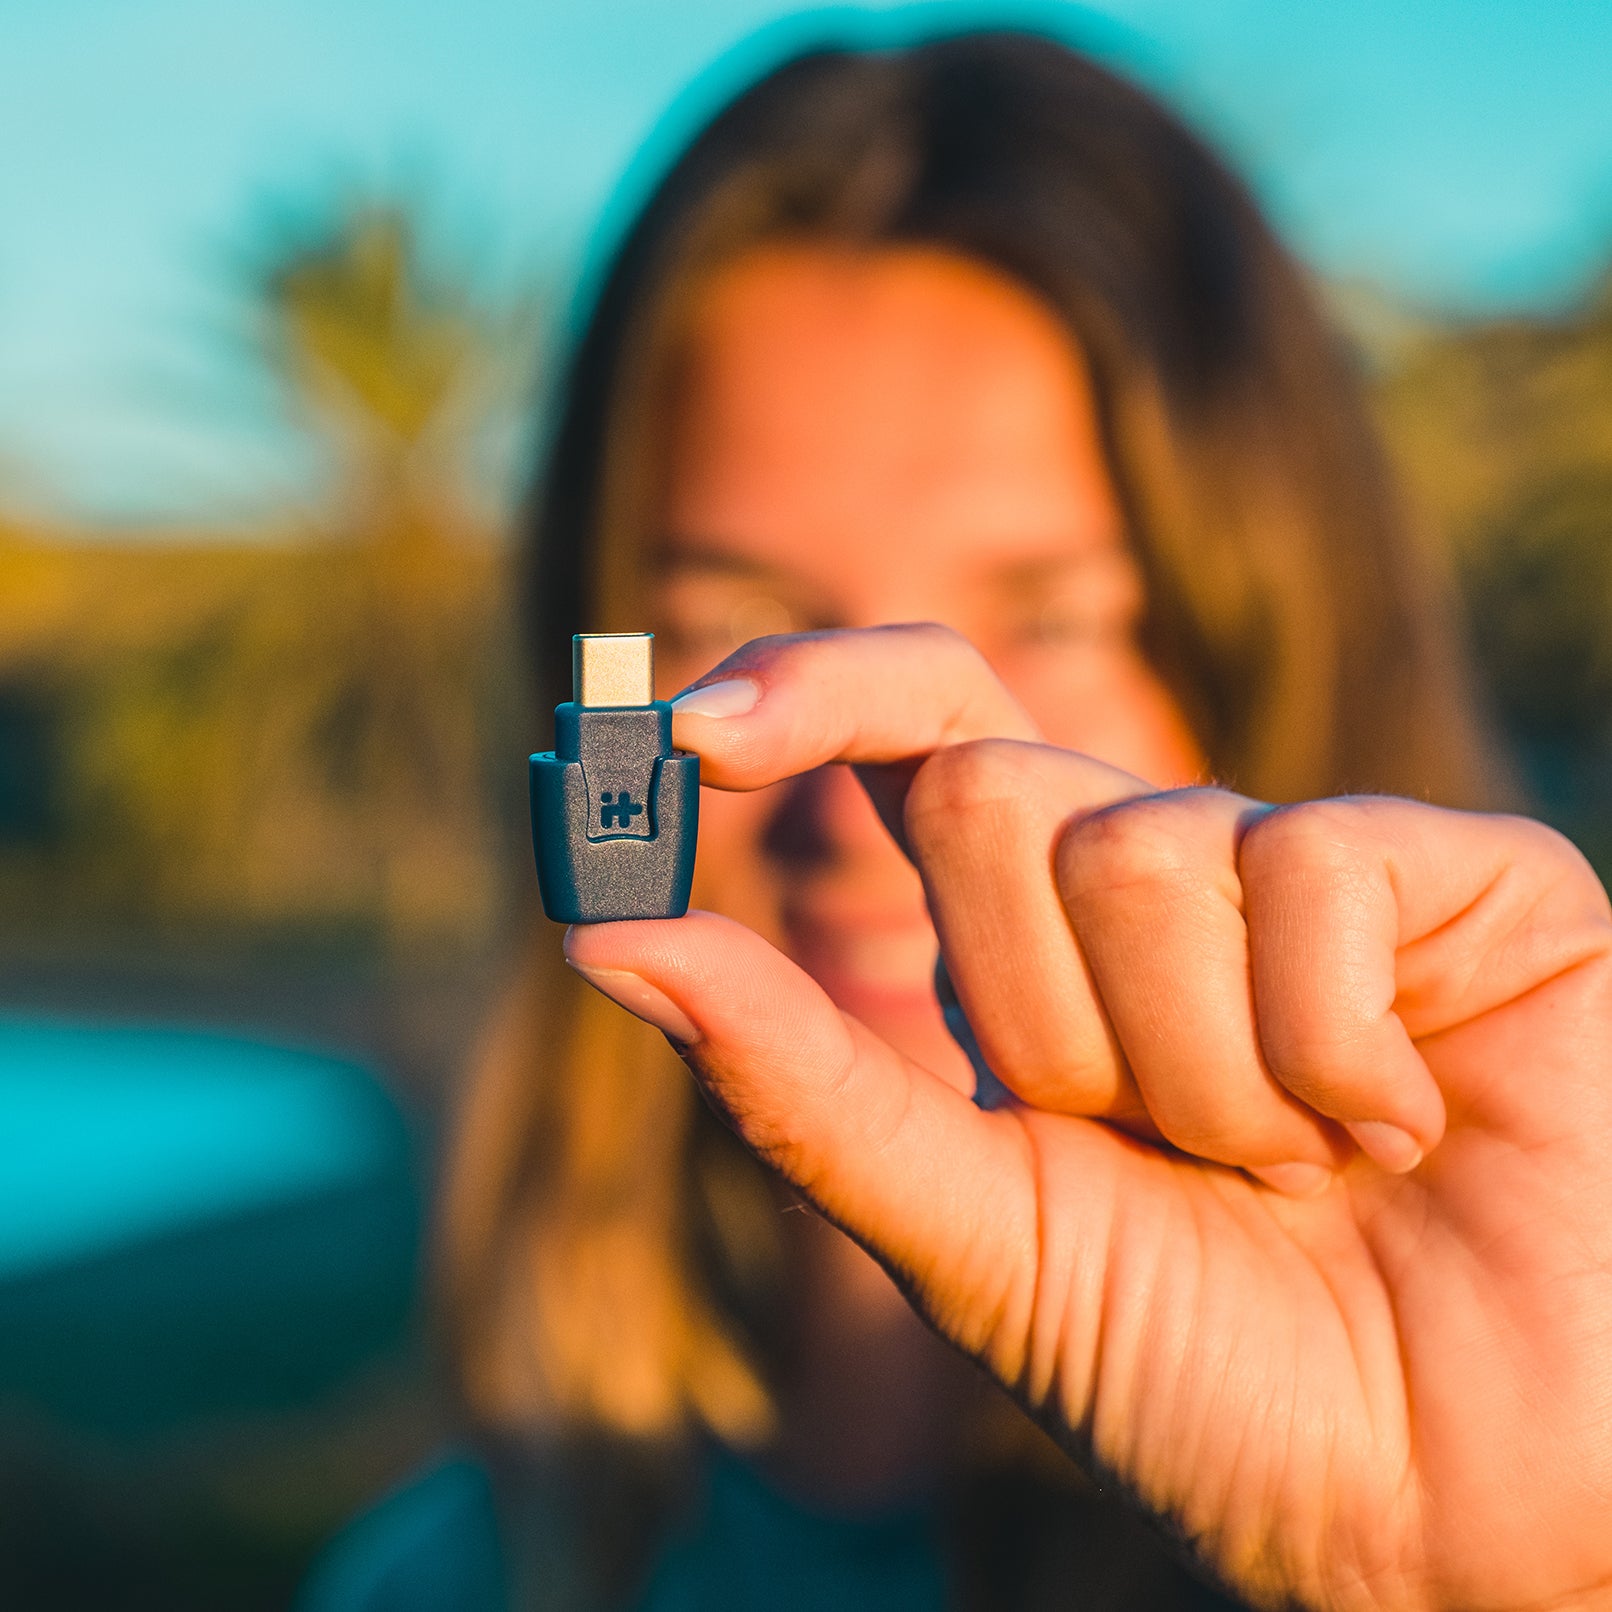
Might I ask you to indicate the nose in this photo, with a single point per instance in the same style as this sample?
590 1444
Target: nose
824 818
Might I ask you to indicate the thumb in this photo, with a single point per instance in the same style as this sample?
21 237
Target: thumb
942 1193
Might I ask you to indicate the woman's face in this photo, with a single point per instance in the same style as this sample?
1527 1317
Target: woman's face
899 435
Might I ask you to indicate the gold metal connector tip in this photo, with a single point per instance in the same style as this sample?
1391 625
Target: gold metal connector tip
613 668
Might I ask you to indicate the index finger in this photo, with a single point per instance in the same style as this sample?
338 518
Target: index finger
870 696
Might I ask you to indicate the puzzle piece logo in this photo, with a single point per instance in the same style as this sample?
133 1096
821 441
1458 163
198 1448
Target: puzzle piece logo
618 811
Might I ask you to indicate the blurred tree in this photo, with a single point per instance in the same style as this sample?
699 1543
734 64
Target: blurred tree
387 349
320 749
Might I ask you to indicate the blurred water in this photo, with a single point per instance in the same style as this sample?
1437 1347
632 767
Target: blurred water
209 1318
114 1135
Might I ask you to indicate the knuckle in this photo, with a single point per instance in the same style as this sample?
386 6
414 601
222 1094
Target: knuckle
1314 837
1551 850
967 780
1309 1048
1131 844
1557 886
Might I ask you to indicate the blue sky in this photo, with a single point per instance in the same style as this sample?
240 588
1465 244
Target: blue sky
1457 153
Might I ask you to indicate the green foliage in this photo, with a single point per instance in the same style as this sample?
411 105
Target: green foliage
308 729
1503 430
384 343
1538 581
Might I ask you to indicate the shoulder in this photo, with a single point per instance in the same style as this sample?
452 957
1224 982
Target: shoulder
431 1545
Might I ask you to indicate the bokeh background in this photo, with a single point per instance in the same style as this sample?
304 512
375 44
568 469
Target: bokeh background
281 284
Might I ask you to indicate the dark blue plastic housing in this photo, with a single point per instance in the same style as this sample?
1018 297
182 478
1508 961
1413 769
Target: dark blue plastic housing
615 815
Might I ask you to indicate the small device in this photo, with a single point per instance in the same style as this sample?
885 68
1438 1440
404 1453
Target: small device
615 809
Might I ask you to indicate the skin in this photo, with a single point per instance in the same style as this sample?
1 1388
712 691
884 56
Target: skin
1389 1385
837 416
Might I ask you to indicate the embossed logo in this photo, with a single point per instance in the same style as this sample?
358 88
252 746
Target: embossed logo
618 811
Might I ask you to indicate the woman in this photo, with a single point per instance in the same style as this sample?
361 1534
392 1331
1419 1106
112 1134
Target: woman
976 334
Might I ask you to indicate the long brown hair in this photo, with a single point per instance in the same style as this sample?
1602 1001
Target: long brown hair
612 1261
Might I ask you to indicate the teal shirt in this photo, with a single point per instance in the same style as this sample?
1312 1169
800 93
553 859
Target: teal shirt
743 1546
433 1546
748 1547
429 1546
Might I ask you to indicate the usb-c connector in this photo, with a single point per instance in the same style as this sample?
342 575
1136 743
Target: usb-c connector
615 808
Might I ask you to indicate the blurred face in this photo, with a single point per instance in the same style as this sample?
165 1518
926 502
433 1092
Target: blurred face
863 438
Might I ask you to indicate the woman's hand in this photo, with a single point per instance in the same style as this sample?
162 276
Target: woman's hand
1388 1384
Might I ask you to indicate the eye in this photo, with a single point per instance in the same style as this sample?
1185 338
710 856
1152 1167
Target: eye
1061 622
759 617
1097 602
708 625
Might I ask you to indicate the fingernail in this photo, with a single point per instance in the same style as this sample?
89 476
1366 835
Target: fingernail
1386 1145
733 696
1295 1180
639 997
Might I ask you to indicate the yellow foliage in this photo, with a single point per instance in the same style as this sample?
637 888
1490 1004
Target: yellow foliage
295 726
